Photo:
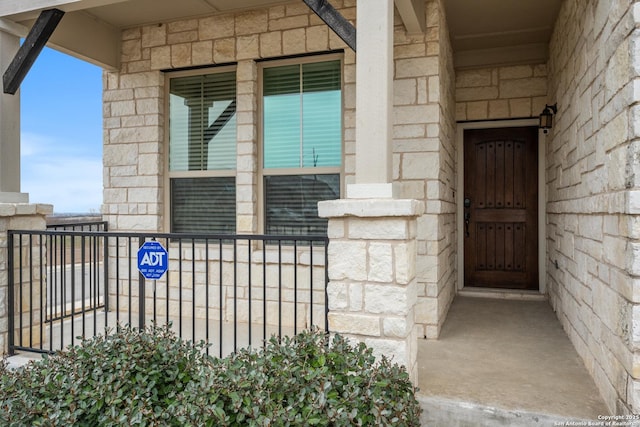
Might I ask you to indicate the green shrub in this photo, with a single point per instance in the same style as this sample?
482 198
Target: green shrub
152 378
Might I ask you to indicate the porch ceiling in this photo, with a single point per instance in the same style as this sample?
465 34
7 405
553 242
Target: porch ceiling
497 32
130 13
486 32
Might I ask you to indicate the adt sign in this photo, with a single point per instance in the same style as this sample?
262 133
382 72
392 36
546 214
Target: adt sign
153 260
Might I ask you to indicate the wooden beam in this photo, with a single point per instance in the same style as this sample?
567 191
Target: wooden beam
30 49
224 117
413 15
343 28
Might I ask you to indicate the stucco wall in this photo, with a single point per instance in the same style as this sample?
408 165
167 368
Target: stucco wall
592 183
423 145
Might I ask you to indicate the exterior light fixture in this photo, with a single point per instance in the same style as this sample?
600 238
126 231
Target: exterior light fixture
546 117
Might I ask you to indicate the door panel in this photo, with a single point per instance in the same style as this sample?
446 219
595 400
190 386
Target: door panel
501 219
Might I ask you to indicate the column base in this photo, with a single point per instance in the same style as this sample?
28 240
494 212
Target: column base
6 197
371 191
372 292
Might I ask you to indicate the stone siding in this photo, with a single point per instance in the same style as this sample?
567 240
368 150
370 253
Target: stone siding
592 188
134 104
432 160
228 284
22 216
509 92
423 145
373 292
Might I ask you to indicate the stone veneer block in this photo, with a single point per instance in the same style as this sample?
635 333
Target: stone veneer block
17 216
349 259
370 208
354 324
368 299
364 228
16 209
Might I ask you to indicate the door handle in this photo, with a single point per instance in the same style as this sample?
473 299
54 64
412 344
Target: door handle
467 215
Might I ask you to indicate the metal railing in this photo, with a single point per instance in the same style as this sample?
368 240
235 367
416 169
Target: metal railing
82 254
62 225
229 291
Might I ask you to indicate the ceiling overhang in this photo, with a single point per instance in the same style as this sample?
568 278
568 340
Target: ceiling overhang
101 49
536 53
500 32
413 15
482 33
30 9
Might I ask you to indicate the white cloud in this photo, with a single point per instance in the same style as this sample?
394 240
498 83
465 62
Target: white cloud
31 143
58 174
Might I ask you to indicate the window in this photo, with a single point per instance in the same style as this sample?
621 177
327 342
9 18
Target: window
202 153
302 144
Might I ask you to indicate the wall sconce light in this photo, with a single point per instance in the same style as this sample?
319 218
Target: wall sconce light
546 117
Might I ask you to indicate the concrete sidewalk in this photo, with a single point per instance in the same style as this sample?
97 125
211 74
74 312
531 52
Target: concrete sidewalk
504 362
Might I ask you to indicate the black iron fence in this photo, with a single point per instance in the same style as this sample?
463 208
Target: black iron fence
76 278
229 291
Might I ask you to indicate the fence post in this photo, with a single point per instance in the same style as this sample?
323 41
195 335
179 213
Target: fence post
105 269
10 298
141 291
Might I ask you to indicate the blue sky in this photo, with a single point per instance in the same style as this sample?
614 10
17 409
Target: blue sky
61 133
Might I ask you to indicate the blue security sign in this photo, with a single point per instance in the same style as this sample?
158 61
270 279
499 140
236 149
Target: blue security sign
153 260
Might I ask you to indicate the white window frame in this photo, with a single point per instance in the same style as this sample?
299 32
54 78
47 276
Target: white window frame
169 175
262 171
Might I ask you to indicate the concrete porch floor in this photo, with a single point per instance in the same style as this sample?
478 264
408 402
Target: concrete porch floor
504 362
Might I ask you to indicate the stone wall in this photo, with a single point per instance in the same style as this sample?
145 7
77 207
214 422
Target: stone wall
22 216
373 292
592 189
509 92
227 284
430 157
423 145
134 105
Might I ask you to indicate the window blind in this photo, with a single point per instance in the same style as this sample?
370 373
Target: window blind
202 137
302 115
291 202
203 205
202 122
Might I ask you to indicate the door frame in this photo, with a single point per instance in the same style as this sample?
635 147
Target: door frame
542 196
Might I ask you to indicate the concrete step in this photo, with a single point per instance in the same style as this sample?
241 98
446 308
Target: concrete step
441 412
21 359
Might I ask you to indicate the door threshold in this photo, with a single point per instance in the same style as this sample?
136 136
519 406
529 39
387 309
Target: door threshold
512 294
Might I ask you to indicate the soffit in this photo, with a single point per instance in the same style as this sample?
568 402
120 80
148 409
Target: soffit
134 13
130 13
482 32
494 32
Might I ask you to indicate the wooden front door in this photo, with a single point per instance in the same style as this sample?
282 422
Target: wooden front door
501 208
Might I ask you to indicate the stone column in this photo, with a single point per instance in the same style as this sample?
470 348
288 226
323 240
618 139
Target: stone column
372 281
10 130
247 153
21 216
